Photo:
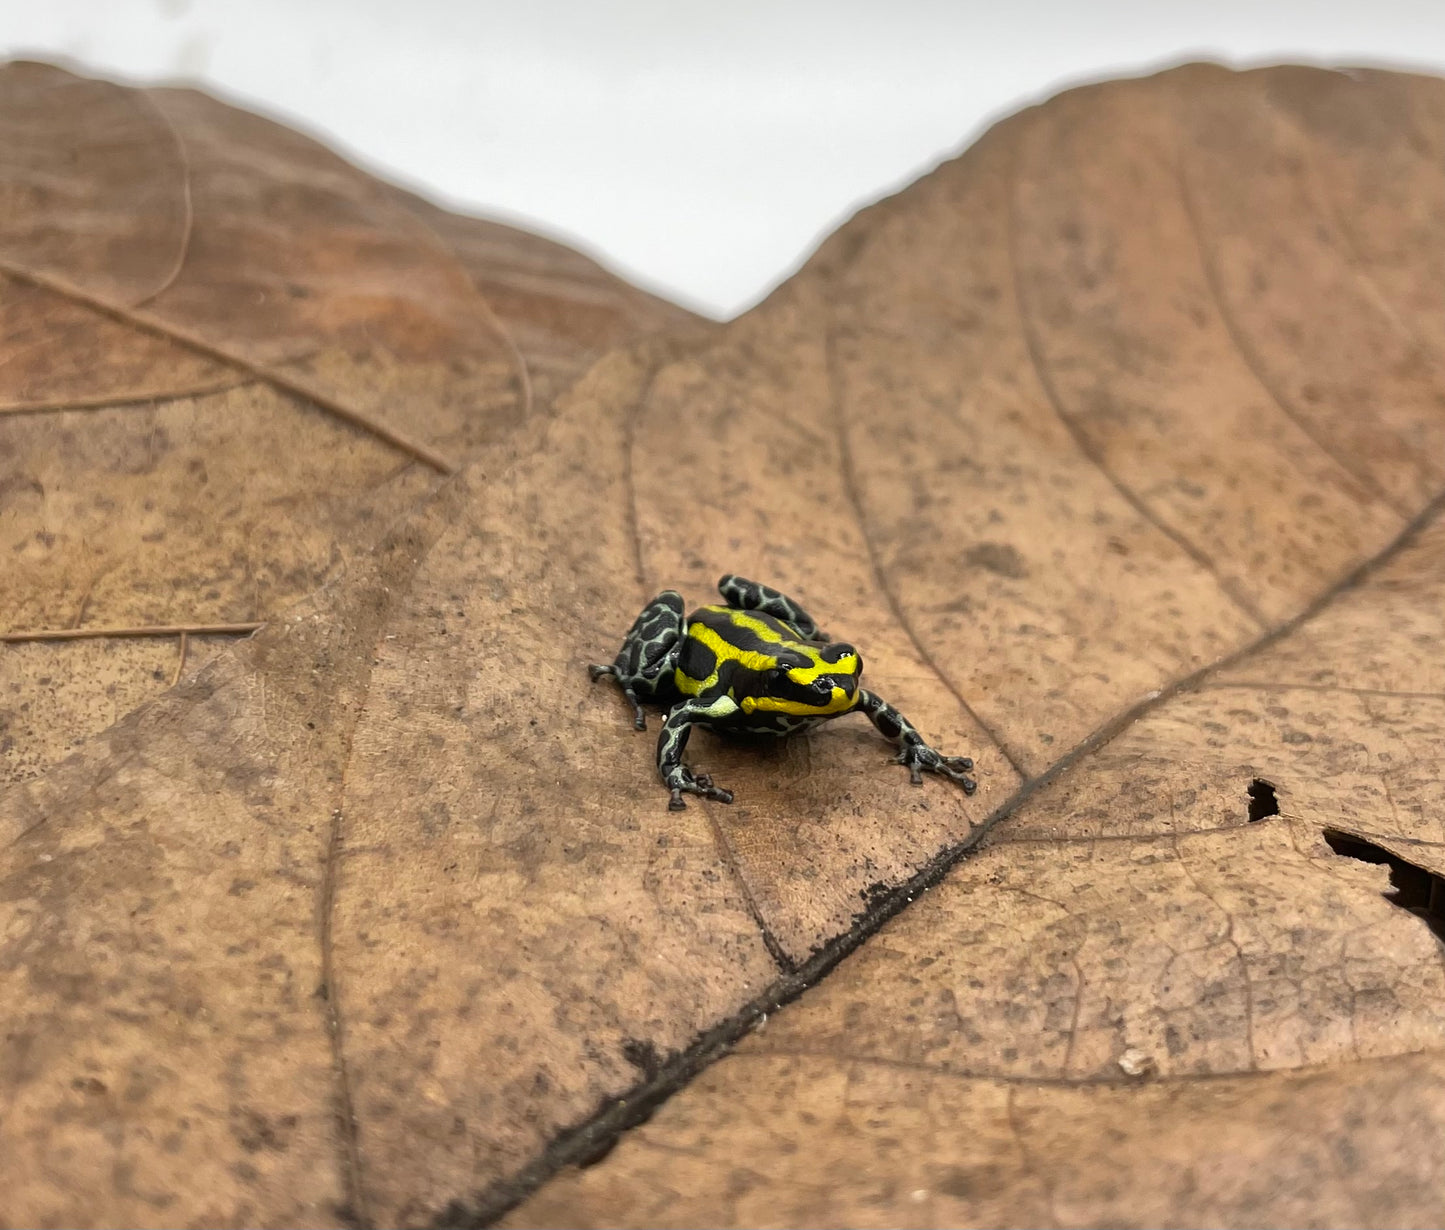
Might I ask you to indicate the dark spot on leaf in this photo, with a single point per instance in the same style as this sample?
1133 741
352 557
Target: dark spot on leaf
642 1055
997 557
255 1132
874 893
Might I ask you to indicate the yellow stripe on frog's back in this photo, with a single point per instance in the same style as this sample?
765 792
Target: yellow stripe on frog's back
725 651
845 665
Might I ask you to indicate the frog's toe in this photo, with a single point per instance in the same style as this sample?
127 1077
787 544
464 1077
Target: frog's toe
955 768
716 794
699 784
908 757
703 785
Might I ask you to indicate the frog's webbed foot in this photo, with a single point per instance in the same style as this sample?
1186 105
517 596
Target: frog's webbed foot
639 718
912 750
672 742
686 782
919 757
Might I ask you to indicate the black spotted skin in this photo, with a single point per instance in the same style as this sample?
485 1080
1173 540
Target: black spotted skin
745 595
758 665
644 665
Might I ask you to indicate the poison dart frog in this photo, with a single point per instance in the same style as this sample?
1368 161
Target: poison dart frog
755 665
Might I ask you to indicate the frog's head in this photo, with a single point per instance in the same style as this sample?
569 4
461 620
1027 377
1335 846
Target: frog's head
808 681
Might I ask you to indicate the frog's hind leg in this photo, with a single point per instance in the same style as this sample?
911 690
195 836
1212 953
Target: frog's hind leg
644 665
744 595
912 750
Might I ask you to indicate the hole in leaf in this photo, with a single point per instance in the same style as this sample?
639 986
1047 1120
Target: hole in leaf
1262 802
1411 888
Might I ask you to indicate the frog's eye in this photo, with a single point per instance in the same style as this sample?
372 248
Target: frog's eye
835 653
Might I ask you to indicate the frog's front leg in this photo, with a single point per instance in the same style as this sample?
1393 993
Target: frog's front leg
912 750
744 595
645 663
672 742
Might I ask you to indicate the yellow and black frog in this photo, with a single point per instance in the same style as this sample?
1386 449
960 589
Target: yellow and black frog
755 666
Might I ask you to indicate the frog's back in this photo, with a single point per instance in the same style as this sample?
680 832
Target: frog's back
719 642
726 650
747 631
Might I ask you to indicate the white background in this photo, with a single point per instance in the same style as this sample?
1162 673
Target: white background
700 149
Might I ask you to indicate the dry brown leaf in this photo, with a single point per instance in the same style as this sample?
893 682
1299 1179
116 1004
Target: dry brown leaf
381 916
1135 1006
175 272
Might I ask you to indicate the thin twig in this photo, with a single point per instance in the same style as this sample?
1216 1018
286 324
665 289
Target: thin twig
78 634
139 318
112 401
